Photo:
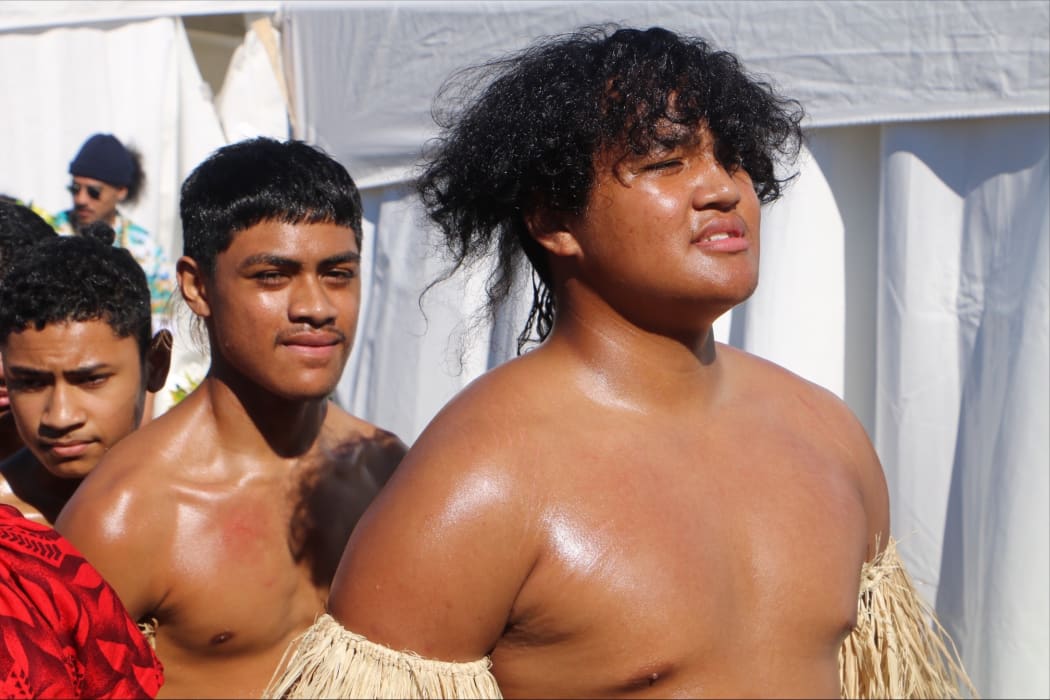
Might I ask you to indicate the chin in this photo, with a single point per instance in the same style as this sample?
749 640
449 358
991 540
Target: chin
75 469
306 392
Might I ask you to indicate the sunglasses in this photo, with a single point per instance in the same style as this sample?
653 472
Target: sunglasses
94 191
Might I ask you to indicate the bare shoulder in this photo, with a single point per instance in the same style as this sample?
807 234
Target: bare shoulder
458 505
820 415
120 516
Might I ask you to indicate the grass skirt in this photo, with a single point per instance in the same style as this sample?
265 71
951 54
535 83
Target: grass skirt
330 662
898 648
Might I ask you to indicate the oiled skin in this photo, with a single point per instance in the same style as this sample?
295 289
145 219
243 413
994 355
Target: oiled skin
631 509
207 518
198 536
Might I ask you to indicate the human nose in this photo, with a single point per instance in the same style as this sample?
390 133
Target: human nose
716 187
62 412
311 303
81 196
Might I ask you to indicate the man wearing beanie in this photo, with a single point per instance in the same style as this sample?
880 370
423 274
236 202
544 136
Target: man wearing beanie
105 175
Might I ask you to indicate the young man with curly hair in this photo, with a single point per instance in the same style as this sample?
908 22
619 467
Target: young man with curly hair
20 229
630 508
206 521
75 337
79 356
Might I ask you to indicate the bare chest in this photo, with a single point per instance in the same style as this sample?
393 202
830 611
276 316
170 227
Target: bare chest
672 560
234 582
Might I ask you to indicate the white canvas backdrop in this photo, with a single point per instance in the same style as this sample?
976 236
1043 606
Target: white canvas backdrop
889 213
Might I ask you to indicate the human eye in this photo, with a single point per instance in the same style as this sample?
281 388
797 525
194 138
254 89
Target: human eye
270 278
341 275
663 165
26 383
93 381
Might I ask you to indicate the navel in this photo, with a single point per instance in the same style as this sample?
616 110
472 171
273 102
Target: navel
648 677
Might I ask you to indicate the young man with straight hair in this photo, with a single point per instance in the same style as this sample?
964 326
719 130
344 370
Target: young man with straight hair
630 508
79 357
208 521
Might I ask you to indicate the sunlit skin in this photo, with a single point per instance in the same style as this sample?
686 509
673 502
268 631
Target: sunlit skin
631 509
189 518
87 210
76 388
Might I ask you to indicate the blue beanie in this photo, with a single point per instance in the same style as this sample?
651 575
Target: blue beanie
103 157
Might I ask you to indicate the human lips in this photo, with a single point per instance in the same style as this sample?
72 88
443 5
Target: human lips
314 344
722 235
68 449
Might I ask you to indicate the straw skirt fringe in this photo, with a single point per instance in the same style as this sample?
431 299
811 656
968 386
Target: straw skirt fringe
329 661
898 648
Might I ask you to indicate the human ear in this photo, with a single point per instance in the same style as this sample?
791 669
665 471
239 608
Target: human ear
192 285
553 231
158 360
122 194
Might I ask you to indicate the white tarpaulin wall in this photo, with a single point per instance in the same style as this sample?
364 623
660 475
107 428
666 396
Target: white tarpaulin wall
907 270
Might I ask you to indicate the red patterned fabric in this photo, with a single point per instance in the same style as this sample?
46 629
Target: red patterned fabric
63 631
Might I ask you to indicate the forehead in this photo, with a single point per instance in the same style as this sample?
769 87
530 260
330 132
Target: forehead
68 345
661 137
302 242
90 181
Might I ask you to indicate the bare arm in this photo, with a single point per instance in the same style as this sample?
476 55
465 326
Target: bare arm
112 523
436 563
872 482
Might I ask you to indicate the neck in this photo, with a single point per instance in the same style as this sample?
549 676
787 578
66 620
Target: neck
10 440
640 367
246 413
35 486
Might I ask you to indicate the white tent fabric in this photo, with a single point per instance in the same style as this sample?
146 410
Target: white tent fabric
962 418
865 61
21 15
253 100
906 270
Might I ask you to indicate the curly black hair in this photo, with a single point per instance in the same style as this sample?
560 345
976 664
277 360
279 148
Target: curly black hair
258 180
20 229
77 278
138 176
522 134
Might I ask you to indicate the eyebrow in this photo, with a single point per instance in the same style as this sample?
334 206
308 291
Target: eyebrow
76 373
281 261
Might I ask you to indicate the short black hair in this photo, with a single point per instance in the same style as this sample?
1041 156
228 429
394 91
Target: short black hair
77 278
20 229
522 133
258 180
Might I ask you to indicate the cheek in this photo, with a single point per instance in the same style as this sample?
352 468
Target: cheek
115 412
27 409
